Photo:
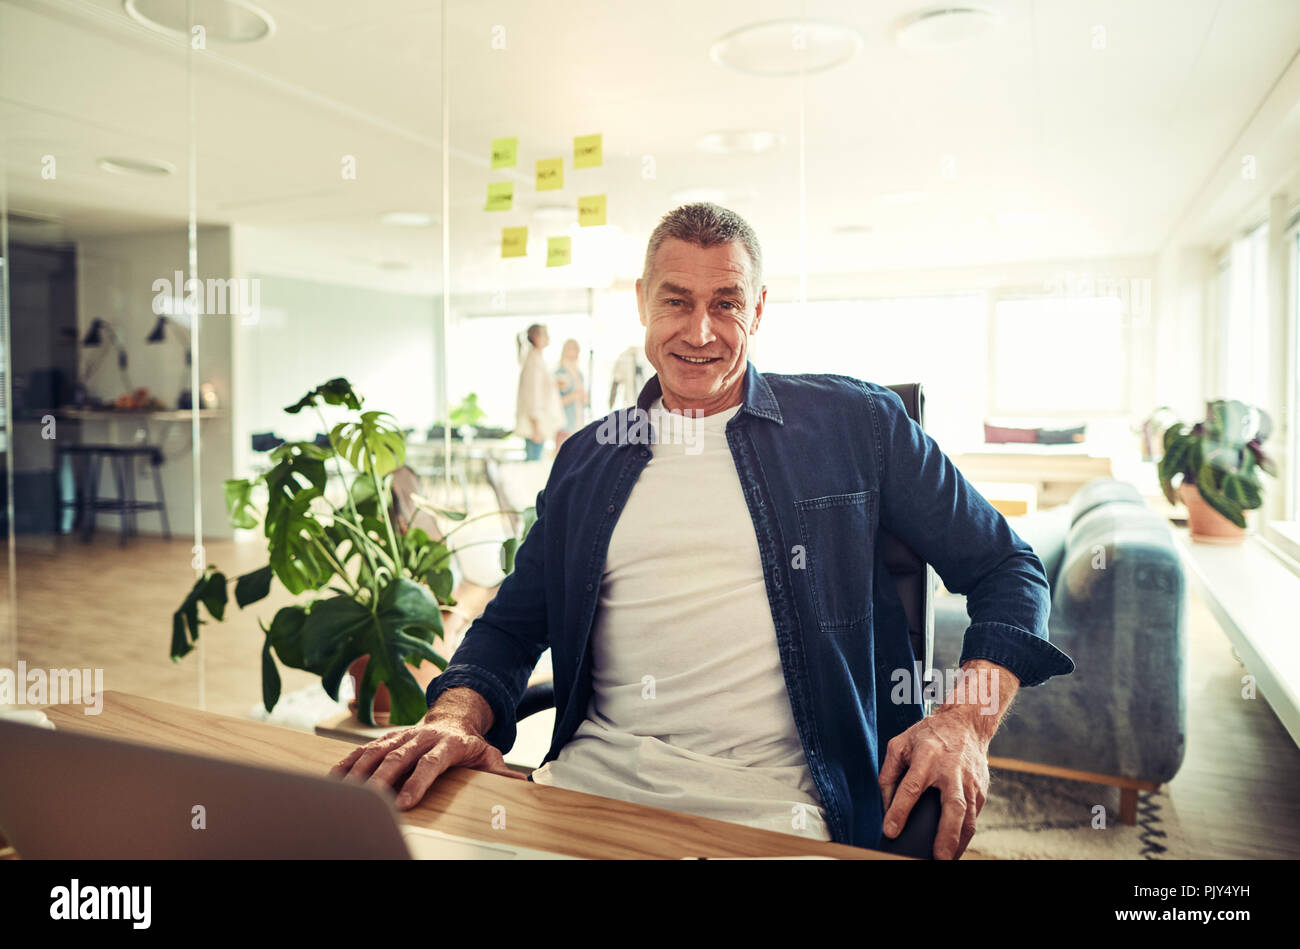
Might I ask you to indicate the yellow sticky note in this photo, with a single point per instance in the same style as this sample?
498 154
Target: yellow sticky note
514 241
550 174
587 151
505 152
591 210
500 196
559 251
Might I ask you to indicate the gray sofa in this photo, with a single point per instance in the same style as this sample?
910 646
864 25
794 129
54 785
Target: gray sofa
1118 609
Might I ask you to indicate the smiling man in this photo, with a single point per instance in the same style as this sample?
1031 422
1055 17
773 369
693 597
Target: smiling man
722 635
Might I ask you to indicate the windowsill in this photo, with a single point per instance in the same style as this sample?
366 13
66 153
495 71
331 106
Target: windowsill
1284 538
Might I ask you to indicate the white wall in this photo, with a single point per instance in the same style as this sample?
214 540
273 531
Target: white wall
116 278
309 331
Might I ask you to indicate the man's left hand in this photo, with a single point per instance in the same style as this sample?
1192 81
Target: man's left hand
949 750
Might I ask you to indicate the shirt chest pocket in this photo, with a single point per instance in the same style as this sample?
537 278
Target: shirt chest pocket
837 536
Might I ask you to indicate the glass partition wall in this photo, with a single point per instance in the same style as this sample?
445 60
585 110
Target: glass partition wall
211 209
97 234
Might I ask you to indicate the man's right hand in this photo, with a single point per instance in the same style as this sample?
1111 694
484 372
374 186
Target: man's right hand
451 735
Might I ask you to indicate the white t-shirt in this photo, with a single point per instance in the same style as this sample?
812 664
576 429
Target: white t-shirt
690 710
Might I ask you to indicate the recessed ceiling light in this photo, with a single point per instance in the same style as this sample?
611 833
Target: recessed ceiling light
223 21
786 47
713 195
1020 220
148 167
903 197
742 142
407 219
941 28
854 230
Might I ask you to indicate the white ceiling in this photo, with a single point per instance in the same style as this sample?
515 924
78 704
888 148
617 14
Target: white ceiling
1061 151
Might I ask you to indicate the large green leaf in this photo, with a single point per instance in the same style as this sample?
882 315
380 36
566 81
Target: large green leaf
335 392
401 630
374 444
285 635
239 503
210 590
1209 487
292 544
270 677
253 586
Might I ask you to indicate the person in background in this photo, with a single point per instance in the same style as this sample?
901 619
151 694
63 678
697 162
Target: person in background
538 413
626 377
573 391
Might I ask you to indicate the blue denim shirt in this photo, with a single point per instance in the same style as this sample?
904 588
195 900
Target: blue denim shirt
825 462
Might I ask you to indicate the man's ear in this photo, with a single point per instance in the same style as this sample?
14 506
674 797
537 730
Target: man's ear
758 310
640 300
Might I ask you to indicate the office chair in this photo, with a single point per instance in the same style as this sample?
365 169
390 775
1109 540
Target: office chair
915 583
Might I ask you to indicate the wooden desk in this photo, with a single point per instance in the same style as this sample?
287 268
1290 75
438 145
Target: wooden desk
461 802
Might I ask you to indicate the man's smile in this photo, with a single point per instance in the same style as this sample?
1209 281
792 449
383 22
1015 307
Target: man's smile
697 360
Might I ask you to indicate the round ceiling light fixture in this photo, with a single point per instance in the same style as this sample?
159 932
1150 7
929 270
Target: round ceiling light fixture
944 27
223 21
786 47
903 197
740 142
712 195
407 219
143 167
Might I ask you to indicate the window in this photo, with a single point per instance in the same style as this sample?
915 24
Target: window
1243 300
940 342
1059 356
488 359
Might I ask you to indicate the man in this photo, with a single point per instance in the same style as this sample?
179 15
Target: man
723 633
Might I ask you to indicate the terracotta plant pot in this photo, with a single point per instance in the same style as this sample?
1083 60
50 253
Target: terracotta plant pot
423 675
1207 525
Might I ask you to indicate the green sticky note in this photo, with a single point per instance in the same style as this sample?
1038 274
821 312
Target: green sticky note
500 196
559 251
514 241
591 210
587 151
550 174
505 152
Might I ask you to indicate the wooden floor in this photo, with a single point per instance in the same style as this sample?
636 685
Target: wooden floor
103 606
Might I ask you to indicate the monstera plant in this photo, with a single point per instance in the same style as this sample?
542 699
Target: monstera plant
374 589
1218 459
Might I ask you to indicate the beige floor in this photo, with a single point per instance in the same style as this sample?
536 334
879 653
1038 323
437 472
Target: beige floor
102 606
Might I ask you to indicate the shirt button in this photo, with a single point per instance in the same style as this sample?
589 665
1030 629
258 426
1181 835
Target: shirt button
610 509
645 453
590 587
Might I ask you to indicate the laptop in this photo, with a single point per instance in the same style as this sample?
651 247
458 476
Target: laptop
67 795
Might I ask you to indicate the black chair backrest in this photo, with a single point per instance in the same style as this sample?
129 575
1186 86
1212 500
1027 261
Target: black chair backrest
912 574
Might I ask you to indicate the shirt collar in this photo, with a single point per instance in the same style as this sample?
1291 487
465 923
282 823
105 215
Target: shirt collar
758 400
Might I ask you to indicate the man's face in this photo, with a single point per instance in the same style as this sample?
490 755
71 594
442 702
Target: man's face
699 310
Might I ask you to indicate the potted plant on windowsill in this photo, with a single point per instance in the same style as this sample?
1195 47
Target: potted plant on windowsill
387 586
1217 464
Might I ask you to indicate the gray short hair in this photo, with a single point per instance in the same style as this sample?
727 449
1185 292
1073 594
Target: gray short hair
706 225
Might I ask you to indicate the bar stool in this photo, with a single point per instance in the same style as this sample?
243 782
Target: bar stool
86 500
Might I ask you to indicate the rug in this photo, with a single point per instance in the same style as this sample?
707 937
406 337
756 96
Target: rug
1033 817
302 709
